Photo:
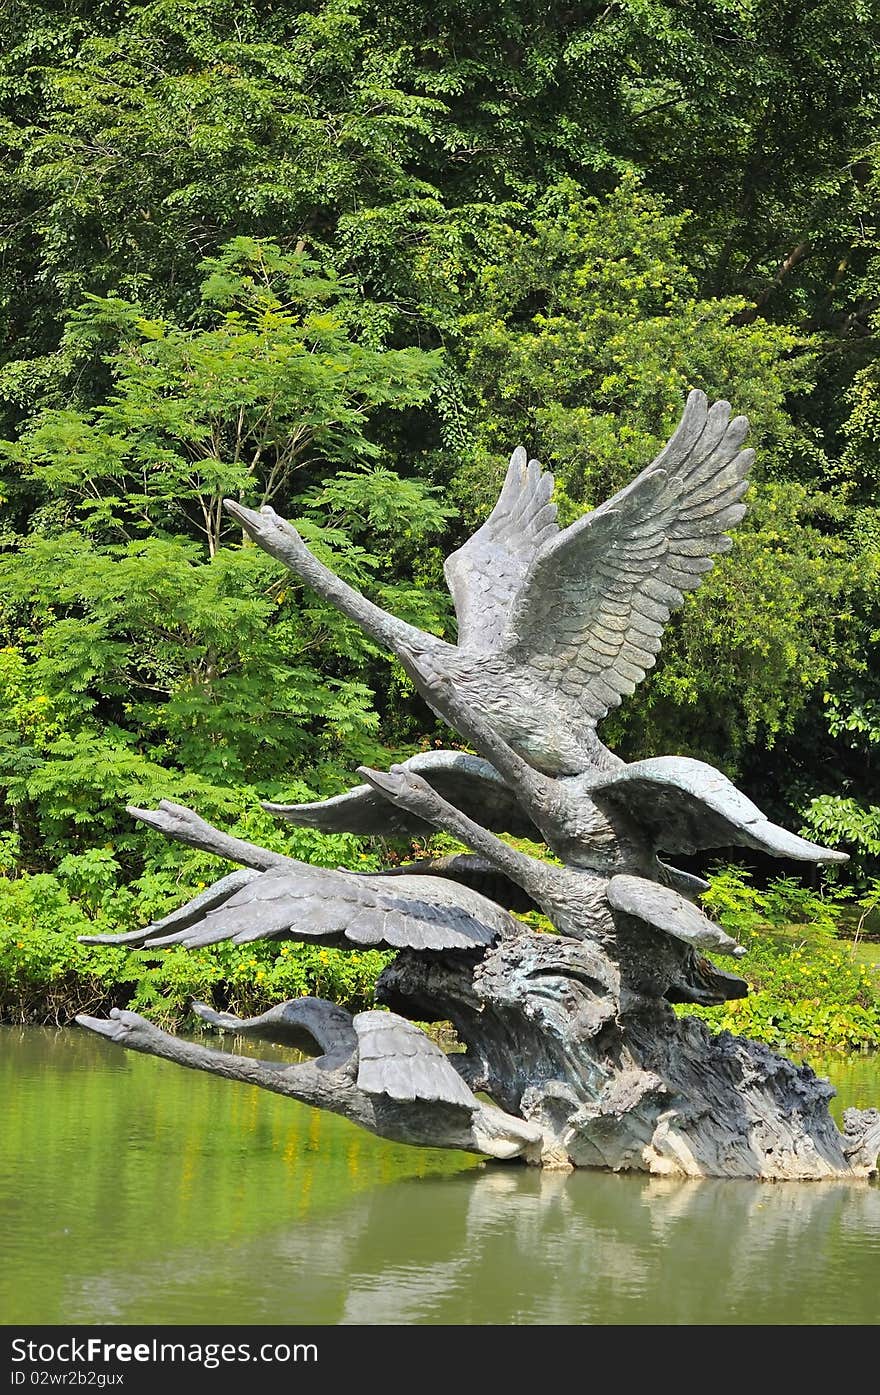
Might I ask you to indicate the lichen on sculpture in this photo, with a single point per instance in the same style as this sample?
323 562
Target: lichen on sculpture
571 1036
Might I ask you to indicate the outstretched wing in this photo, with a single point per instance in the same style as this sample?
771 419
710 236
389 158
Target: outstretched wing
664 909
470 783
590 614
394 1057
342 909
685 806
485 574
397 1059
302 1023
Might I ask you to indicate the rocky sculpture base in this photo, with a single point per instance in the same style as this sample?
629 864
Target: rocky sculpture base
639 1090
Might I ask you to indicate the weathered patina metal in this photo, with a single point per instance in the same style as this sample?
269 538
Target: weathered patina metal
572 1035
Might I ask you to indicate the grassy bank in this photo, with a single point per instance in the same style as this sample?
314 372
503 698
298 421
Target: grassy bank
814 977
812 988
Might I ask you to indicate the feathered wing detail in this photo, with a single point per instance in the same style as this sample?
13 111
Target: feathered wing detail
394 1057
189 914
485 574
468 782
666 910
341 909
397 1059
686 806
589 617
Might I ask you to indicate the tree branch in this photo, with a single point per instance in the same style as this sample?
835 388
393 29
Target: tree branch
798 253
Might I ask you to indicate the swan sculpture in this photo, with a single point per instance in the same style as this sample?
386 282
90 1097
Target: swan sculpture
571 1034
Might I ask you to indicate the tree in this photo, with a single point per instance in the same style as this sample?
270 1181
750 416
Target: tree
412 151
590 331
141 634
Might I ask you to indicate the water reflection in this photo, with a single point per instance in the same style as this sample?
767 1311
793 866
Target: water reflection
135 1192
514 1246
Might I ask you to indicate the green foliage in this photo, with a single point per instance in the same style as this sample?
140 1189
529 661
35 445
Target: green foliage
591 330
47 976
250 983
233 230
342 256
139 137
149 650
808 988
841 804
839 821
273 384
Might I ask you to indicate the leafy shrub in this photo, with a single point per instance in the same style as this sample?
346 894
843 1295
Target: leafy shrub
47 976
808 988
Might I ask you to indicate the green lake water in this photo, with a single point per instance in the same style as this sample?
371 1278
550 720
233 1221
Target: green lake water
132 1191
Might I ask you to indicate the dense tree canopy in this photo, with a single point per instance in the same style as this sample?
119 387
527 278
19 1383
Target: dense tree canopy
344 255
